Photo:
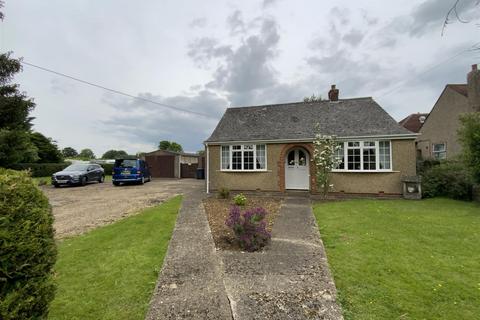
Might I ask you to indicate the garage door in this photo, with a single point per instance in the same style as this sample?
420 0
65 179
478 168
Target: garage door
161 166
189 170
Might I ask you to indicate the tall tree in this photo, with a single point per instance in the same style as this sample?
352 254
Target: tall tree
69 152
15 121
87 154
164 145
469 136
112 154
47 148
170 146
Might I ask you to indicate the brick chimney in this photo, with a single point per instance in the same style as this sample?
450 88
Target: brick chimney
333 93
473 88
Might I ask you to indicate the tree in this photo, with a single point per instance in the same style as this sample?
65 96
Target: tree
176 147
325 160
140 154
15 122
112 154
453 14
164 145
469 136
170 146
313 98
46 148
87 154
69 152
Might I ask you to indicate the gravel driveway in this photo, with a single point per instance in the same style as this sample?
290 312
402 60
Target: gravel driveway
79 209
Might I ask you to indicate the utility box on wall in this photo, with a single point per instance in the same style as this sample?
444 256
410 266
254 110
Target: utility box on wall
412 187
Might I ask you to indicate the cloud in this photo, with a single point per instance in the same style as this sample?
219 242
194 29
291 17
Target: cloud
138 121
198 23
235 23
430 15
354 37
206 49
249 66
268 3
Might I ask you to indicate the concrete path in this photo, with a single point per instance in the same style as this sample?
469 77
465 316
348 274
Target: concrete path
290 279
190 284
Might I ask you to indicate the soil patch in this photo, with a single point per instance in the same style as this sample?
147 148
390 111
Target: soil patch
217 212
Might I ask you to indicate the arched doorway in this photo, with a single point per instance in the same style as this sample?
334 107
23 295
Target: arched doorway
297 170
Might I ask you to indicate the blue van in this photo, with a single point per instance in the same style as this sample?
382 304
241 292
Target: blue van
130 170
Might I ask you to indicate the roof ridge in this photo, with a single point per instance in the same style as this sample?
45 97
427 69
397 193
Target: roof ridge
298 102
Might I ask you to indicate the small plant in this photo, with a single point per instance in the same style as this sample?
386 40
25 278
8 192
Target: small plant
224 193
240 200
249 227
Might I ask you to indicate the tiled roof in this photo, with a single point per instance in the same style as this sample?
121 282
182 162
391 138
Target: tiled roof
460 88
414 121
343 118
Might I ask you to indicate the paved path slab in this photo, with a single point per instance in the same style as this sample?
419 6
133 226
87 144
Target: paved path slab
290 279
190 285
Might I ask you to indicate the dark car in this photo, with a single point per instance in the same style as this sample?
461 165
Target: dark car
78 174
130 170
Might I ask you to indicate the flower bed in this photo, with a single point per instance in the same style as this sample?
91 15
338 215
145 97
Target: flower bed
218 212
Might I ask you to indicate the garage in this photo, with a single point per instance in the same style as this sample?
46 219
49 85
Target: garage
169 164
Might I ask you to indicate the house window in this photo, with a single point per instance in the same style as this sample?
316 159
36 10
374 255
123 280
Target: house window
340 156
363 156
248 157
439 151
225 157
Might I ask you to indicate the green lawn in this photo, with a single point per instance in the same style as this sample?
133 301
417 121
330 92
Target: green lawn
110 272
404 259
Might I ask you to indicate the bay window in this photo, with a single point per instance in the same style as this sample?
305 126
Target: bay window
248 157
365 156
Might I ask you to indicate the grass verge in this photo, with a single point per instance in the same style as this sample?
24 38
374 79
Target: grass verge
404 259
110 272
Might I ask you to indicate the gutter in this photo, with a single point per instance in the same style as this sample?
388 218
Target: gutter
389 137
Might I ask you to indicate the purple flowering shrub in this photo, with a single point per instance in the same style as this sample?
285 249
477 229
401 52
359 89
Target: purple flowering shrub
249 227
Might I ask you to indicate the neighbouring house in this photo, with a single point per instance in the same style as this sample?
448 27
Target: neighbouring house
270 147
414 121
169 164
438 135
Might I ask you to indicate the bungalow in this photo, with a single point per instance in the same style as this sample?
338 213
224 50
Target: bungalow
270 147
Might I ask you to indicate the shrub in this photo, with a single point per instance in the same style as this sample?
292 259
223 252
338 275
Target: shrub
224 193
469 136
449 179
240 199
107 167
425 165
249 227
27 248
40 169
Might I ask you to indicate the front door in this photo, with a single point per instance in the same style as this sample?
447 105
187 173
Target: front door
297 171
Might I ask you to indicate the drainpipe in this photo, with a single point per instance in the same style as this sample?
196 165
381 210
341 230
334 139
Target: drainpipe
208 168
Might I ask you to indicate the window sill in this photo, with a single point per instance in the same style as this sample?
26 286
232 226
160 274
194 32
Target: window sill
263 170
364 171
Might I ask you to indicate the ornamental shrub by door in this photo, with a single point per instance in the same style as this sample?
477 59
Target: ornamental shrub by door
27 248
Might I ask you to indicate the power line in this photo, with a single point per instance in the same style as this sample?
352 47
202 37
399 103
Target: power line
403 83
119 92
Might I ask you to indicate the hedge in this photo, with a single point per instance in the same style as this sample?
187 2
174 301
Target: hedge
41 169
27 248
448 179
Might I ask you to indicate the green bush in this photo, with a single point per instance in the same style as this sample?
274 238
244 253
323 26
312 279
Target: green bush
240 199
27 248
40 169
108 167
224 193
469 136
425 165
448 179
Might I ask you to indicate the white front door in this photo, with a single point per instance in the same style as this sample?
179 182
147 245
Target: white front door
297 170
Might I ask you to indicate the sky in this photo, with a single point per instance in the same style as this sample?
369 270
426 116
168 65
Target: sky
205 56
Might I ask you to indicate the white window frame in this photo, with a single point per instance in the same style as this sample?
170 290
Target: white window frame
361 147
436 153
242 149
